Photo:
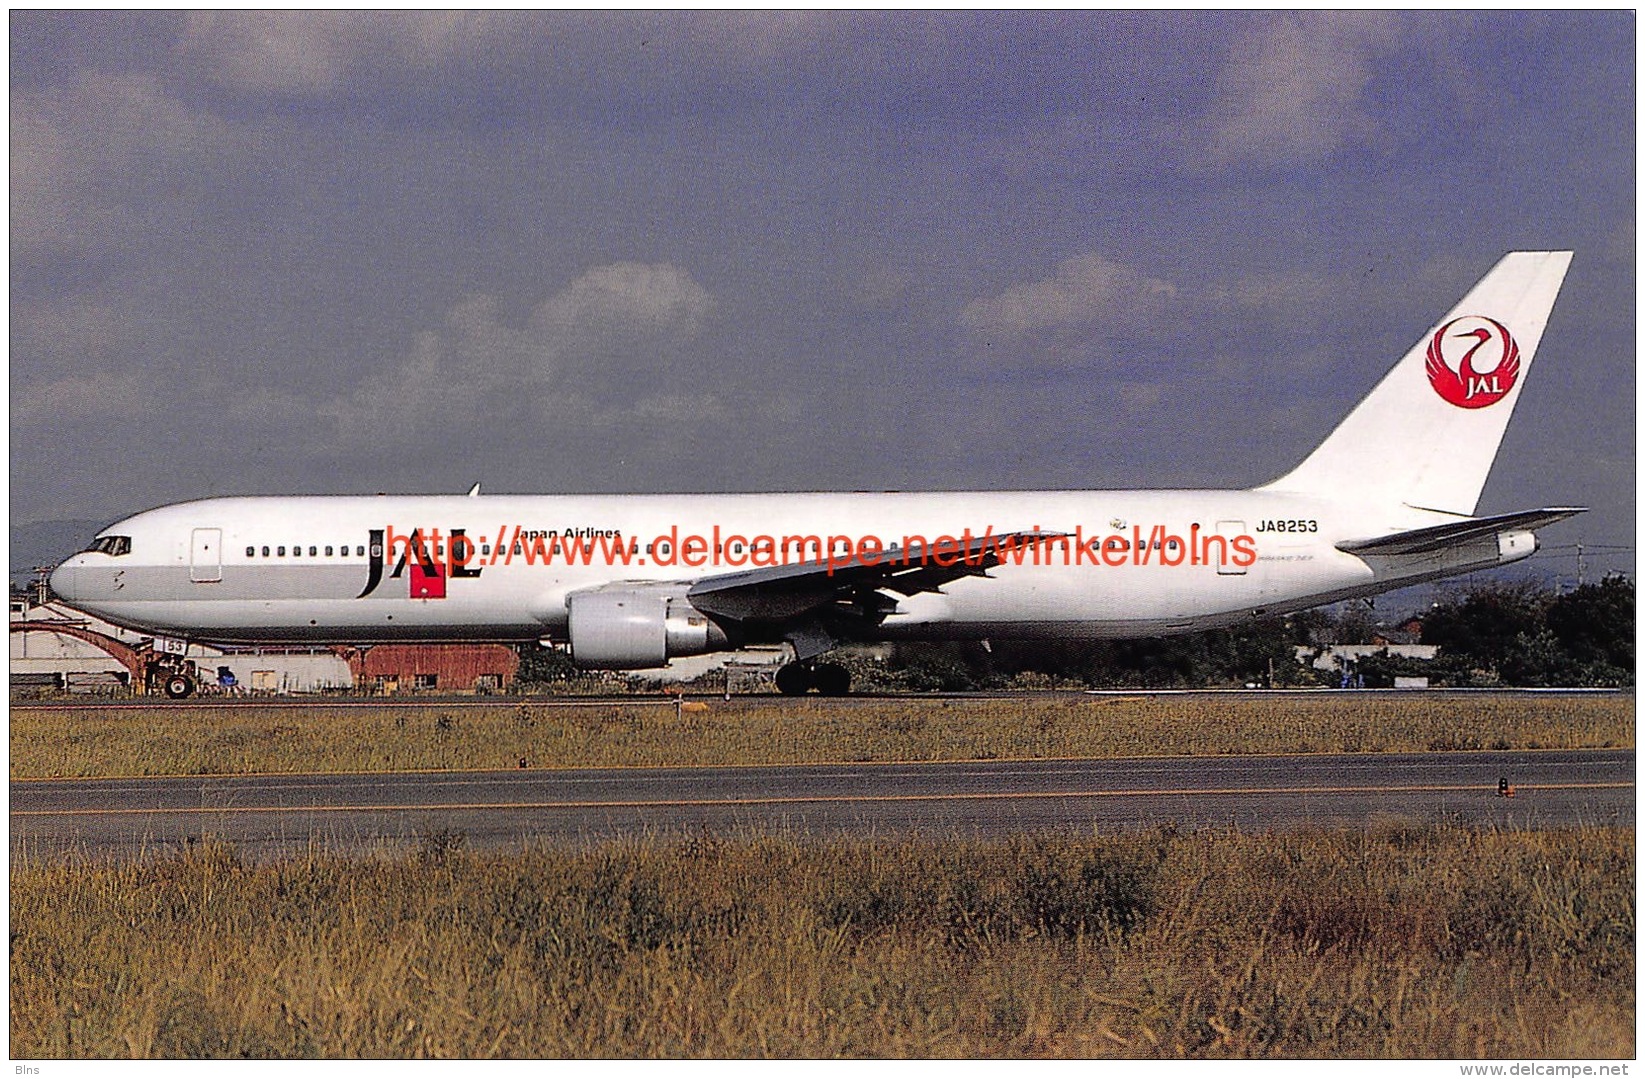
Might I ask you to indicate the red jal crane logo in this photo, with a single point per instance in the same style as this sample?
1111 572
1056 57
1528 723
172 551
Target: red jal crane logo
1473 361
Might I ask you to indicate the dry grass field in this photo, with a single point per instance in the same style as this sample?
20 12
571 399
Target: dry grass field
163 740
1426 942
1397 942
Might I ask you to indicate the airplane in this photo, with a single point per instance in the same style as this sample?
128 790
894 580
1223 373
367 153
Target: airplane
629 582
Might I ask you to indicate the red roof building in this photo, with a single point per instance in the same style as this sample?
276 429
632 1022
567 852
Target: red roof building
449 668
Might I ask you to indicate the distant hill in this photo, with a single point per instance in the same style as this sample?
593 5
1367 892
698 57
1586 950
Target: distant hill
46 543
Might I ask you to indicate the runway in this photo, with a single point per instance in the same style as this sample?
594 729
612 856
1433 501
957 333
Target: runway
268 815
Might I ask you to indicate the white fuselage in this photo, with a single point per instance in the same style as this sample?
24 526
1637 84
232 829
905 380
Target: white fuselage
334 569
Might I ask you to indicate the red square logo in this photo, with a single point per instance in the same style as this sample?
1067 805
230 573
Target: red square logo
427 583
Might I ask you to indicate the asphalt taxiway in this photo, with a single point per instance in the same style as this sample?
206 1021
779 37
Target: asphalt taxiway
267 815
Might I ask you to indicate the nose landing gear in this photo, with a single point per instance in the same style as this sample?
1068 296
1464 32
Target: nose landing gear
828 679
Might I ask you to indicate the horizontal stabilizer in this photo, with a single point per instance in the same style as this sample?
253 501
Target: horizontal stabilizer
1419 540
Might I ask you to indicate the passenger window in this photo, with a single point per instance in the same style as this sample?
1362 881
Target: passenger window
313 551
280 551
251 552
328 550
360 550
265 552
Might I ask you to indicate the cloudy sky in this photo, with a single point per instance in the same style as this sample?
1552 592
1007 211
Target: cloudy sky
328 252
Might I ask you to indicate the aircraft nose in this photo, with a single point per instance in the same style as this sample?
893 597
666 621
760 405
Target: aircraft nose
63 580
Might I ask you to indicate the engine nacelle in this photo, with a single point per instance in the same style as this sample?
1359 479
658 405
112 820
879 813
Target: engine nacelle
632 629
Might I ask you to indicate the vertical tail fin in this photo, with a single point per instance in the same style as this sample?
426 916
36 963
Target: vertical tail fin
1426 436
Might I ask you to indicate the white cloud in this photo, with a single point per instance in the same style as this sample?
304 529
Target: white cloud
268 50
1294 91
1142 396
1092 297
91 159
626 297
595 349
461 381
309 53
99 395
312 53
661 411
1085 291
1291 298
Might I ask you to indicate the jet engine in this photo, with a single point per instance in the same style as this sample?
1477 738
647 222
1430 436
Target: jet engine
634 628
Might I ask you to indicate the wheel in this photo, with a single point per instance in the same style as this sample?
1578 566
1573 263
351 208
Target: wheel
793 680
831 679
179 686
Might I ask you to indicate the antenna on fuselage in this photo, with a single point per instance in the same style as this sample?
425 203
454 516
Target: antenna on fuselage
474 492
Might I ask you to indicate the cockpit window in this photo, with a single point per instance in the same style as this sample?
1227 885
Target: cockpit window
111 545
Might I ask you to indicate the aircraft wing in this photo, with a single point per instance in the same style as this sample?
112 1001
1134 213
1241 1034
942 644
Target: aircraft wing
781 593
1434 537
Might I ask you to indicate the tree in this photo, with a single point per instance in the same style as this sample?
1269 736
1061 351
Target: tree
539 664
1530 637
1485 624
1595 623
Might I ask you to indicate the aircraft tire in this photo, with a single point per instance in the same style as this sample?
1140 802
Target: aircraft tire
831 680
179 686
793 680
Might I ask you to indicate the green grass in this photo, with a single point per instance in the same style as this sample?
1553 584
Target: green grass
1415 942
205 740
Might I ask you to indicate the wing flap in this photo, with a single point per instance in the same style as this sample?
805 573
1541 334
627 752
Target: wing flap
775 593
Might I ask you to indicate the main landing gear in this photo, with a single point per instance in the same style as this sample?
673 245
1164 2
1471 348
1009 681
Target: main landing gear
828 679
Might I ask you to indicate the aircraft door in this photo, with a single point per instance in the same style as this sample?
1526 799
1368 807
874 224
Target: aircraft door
206 555
1228 530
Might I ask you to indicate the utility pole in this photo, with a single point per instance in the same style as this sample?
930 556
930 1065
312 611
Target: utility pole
1579 563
